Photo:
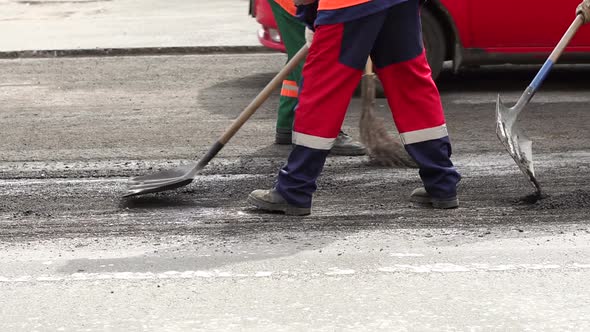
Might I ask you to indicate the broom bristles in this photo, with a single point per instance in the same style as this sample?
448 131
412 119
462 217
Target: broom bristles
382 148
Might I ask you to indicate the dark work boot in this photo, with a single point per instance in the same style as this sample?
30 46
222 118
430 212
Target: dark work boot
420 196
346 146
271 200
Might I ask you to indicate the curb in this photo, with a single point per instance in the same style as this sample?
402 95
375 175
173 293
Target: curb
139 51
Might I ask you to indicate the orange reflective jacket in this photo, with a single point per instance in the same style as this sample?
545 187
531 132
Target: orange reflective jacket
287 5
337 4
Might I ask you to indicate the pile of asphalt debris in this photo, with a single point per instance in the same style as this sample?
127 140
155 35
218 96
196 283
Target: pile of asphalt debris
577 199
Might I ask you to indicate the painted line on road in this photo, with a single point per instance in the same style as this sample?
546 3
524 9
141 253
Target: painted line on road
397 268
481 267
337 272
400 254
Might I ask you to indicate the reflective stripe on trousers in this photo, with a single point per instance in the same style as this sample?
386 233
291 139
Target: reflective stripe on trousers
290 89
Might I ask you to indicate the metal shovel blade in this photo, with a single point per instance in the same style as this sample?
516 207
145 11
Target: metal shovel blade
518 144
161 181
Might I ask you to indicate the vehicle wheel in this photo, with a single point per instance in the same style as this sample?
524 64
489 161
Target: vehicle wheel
434 42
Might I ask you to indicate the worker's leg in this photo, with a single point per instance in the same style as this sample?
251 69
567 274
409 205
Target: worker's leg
331 73
293 35
414 99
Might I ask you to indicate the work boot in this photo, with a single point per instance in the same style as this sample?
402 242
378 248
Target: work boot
343 146
271 200
346 146
421 196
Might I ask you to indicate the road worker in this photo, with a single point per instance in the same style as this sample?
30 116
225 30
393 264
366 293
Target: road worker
292 33
347 32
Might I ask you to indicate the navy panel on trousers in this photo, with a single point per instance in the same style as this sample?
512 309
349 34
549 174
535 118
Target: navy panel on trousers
400 38
438 174
390 36
297 179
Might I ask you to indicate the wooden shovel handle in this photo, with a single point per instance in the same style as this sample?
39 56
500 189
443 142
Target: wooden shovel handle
263 95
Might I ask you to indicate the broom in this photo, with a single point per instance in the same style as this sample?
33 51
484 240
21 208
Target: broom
382 149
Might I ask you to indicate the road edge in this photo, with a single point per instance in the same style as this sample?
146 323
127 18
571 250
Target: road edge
135 51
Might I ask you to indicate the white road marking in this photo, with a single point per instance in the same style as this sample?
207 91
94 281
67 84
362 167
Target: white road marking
398 254
481 267
396 268
337 271
263 274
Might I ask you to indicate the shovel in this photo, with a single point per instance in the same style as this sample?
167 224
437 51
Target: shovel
518 144
183 175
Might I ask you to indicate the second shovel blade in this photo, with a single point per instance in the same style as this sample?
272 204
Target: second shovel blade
161 181
517 143
164 175
134 190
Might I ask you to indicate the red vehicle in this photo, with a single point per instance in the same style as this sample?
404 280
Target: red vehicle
476 32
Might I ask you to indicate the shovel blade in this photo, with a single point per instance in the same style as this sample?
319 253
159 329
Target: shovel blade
163 176
135 190
516 142
161 181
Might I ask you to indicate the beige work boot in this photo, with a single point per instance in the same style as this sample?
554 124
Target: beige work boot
346 146
421 196
271 200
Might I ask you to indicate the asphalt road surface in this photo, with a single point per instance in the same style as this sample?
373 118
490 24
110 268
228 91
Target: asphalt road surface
78 256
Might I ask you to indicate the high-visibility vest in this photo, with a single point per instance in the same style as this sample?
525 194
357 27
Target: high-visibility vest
323 4
287 5
337 4
340 11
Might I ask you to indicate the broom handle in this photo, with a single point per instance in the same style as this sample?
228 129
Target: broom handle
368 87
263 95
369 67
